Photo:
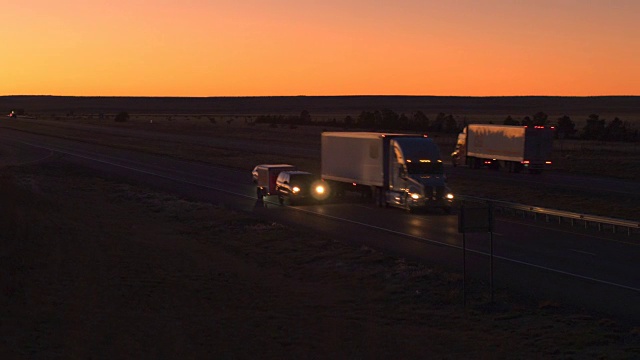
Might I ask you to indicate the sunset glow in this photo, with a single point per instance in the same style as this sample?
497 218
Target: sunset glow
328 47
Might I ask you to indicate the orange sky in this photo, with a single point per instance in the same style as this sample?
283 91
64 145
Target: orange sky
320 47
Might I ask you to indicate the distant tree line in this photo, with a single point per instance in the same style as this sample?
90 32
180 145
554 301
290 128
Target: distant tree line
594 129
378 120
303 119
388 120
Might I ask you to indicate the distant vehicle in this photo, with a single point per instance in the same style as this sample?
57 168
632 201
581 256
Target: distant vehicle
299 186
513 148
401 170
265 175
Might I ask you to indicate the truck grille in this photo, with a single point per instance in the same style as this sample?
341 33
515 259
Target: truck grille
434 192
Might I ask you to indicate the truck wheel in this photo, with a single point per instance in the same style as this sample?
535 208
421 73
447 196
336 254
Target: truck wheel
259 193
475 163
379 197
407 208
280 199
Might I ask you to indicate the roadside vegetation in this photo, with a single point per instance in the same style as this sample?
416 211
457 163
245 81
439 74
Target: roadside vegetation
584 157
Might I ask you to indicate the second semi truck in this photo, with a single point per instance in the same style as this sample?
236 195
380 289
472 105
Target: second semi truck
514 148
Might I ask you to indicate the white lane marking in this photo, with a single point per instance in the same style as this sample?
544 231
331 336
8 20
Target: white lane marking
582 252
361 224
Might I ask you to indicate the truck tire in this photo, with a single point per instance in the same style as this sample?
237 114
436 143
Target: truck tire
407 208
378 196
259 193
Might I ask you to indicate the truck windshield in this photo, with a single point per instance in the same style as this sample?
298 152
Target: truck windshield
418 168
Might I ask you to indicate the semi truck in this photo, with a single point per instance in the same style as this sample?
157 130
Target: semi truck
400 170
509 147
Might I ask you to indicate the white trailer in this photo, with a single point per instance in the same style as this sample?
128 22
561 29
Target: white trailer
353 157
504 146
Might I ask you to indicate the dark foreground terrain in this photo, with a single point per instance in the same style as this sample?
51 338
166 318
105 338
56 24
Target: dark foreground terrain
98 268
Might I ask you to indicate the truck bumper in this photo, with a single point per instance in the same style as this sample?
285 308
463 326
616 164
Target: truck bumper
416 204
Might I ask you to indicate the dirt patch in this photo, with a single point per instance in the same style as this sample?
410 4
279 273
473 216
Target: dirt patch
96 268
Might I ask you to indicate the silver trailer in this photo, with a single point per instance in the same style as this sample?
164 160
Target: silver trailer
514 148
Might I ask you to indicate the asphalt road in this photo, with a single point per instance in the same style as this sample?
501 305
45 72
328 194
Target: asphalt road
558 180
594 270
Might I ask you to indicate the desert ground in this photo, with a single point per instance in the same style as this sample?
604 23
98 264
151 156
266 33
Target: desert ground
97 267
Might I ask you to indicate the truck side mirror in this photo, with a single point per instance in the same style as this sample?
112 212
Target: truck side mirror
401 173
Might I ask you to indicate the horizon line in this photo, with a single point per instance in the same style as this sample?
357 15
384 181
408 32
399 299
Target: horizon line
275 96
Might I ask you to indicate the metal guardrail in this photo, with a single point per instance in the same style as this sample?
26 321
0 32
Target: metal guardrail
560 216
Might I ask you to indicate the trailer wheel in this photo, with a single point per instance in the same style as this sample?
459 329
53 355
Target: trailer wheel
517 167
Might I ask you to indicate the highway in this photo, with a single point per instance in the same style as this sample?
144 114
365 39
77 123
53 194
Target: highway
595 270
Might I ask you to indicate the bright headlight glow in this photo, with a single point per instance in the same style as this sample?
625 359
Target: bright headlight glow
321 190
415 196
450 196
295 189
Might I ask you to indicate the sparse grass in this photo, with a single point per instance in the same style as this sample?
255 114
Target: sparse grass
612 159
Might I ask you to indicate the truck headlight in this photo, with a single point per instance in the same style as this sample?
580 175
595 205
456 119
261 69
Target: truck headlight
319 189
415 196
450 196
295 189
